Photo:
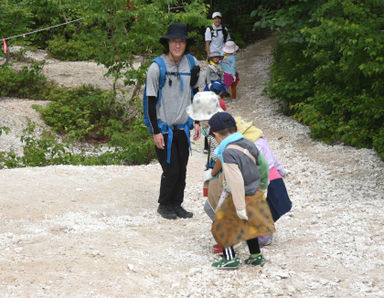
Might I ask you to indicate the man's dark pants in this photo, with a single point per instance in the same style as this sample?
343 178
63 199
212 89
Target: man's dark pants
174 174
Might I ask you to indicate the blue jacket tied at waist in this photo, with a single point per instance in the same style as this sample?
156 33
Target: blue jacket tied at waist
168 129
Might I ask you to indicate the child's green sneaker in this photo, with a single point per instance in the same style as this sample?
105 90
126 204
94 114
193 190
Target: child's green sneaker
255 261
227 264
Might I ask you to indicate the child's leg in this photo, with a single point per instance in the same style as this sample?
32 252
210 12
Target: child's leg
206 146
253 245
209 210
229 261
256 258
215 188
233 91
229 253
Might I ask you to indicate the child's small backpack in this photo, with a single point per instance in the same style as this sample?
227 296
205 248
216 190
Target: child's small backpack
163 76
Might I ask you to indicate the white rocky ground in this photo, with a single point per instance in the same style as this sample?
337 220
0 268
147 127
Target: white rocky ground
93 231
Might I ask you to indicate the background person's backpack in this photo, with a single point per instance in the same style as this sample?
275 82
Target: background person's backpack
163 76
224 29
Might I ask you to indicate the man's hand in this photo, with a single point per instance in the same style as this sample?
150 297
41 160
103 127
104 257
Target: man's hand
159 141
197 133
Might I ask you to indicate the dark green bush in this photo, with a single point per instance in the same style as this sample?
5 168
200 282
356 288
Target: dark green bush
72 50
79 112
89 114
28 82
329 67
46 149
84 113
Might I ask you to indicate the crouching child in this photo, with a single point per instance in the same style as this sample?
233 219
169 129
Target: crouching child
244 214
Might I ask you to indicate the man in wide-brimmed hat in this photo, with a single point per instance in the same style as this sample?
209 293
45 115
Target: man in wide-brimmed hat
170 122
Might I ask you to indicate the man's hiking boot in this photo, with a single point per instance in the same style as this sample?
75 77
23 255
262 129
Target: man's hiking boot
166 212
227 264
182 213
255 261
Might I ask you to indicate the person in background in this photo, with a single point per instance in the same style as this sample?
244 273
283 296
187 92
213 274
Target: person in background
214 71
228 64
216 35
277 195
218 87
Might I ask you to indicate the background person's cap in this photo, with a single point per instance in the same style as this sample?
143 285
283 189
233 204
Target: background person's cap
216 14
215 54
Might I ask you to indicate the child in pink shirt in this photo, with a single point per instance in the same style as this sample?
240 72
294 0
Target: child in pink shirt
277 196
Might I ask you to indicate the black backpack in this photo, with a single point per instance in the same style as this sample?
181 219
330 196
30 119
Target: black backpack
224 29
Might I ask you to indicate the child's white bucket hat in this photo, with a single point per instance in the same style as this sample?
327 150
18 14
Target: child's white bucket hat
215 54
205 104
230 47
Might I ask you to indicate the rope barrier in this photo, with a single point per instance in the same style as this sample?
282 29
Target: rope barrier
43 29
32 32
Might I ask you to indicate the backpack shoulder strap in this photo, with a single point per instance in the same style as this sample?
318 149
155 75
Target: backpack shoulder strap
245 151
163 69
225 33
192 64
211 29
191 61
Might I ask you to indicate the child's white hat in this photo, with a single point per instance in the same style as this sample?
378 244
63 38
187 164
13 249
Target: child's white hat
215 54
230 47
205 104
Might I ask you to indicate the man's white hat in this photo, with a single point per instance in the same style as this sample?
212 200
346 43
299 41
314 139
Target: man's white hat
205 104
216 14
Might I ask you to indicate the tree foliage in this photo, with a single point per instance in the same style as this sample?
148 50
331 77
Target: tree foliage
113 33
237 18
129 28
329 67
14 18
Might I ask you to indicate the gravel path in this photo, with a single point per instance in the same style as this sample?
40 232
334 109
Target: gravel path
93 231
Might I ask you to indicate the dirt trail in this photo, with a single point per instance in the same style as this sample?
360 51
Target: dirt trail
93 231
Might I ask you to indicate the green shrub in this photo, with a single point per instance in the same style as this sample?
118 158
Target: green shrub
80 112
72 50
85 114
329 67
46 149
26 83
378 142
